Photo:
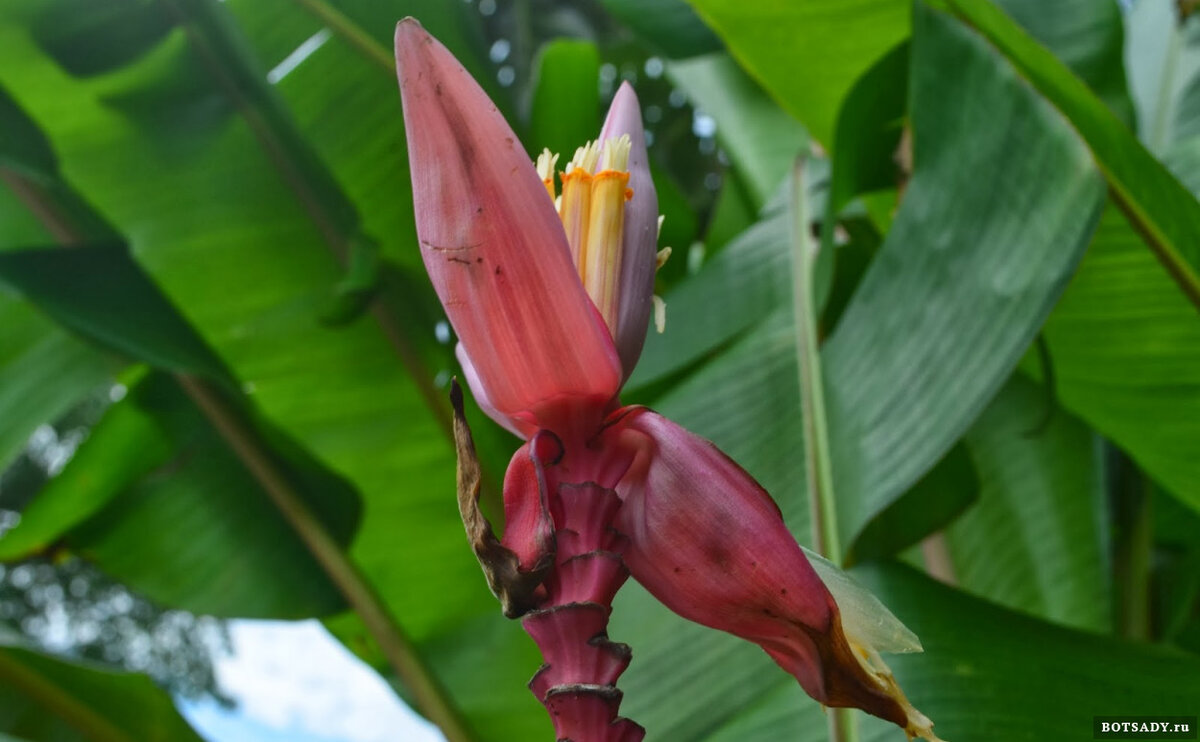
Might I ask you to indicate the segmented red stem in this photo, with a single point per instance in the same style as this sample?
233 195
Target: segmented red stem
577 683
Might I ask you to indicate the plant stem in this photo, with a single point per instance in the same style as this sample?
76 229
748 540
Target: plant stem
843 725
428 694
812 395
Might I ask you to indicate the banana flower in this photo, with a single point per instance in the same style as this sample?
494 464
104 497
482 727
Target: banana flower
550 294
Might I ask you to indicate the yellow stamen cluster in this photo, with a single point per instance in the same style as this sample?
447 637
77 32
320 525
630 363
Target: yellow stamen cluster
592 208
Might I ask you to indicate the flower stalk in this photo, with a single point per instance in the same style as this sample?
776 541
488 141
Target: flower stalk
822 505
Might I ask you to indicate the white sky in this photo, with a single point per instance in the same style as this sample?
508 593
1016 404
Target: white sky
295 682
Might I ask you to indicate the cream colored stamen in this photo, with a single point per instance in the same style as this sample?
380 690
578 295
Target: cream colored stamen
545 170
663 255
585 158
614 154
660 314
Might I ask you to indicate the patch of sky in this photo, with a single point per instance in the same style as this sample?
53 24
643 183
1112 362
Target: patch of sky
294 682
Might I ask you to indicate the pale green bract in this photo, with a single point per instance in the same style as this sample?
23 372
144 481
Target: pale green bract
864 617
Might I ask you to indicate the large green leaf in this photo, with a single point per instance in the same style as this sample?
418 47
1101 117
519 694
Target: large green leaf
101 293
68 31
760 140
1037 540
1086 35
669 25
961 284
808 54
822 48
1126 354
46 698
1166 215
566 107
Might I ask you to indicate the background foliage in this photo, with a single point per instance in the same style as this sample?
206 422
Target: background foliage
223 372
